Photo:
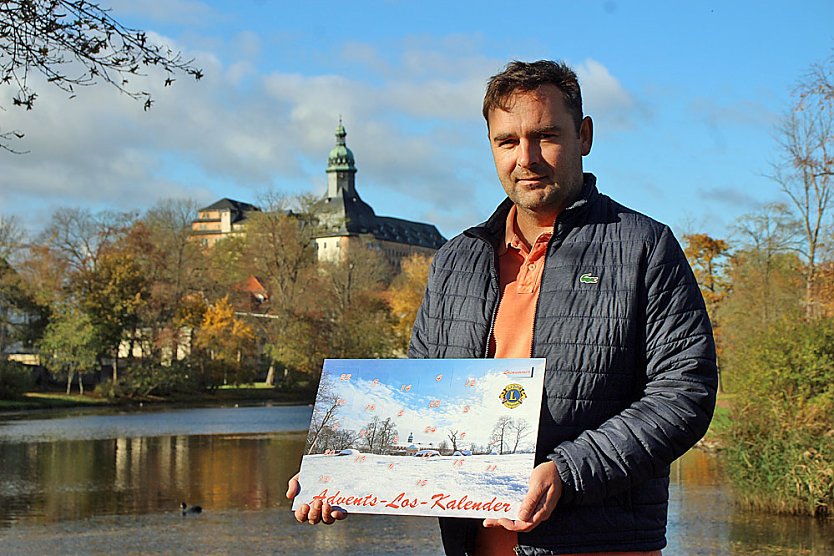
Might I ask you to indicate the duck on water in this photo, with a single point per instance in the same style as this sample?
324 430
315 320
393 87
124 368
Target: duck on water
186 509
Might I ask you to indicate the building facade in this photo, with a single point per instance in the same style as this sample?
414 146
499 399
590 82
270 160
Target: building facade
218 220
347 221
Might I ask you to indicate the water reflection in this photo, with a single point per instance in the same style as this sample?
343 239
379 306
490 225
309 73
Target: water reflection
704 519
61 480
99 479
98 424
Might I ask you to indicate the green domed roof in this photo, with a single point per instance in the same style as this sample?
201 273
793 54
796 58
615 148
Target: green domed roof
340 158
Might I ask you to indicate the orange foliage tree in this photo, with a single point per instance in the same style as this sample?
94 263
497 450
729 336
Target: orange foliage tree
227 340
405 294
708 257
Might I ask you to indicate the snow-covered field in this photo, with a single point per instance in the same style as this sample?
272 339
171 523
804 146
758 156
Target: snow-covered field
462 486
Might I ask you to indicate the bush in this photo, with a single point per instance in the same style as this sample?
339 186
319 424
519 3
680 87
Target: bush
181 377
780 438
15 379
143 382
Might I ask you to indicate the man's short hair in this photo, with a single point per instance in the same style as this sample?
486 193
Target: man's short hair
529 76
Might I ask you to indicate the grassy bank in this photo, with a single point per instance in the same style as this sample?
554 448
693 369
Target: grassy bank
255 393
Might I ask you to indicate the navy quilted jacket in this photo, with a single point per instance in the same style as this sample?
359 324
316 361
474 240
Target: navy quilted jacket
631 375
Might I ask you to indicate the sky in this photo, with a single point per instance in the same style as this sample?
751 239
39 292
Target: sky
427 399
685 97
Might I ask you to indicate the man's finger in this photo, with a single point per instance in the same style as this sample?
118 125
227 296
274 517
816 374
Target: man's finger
529 505
314 516
547 504
327 516
302 512
293 487
510 525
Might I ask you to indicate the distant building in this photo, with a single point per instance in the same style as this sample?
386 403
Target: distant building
221 219
252 293
347 220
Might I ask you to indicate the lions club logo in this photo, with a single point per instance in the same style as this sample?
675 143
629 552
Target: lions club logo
512 395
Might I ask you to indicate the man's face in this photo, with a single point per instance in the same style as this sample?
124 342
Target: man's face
537 151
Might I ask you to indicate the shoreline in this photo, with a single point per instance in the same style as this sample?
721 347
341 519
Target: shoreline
251 395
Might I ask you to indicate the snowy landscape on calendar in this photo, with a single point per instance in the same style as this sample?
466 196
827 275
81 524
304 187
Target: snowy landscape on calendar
450 437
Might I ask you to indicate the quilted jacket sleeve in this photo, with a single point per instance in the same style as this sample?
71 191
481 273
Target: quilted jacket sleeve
679 395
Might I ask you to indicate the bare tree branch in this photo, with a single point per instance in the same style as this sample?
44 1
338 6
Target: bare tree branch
76 43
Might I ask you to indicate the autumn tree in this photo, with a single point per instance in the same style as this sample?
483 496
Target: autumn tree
806 168
12 237
344 316
112 295
79 237
768 240
65 267
767 277
69 344
227 340
279 248
18 307
175 267
708 258
22 318
361 321
405 294
74 44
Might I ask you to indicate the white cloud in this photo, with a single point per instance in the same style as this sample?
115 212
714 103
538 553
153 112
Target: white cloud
604 97
418 139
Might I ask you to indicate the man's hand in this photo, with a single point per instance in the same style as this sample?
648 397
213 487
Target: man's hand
315 512
542 496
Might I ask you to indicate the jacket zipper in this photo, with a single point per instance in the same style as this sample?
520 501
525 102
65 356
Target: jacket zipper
556 236
497 284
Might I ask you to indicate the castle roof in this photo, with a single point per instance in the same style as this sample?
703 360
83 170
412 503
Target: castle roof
345 213
237 208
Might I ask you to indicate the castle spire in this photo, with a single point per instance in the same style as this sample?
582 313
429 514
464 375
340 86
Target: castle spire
341 167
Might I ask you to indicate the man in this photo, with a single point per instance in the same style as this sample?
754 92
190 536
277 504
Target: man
605 294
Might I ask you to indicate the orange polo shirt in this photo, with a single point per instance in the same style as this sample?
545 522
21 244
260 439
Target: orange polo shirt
520 277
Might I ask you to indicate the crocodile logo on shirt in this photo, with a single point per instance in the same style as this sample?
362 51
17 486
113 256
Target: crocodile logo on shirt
588 279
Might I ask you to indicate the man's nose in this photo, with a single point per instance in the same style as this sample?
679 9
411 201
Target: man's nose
529 153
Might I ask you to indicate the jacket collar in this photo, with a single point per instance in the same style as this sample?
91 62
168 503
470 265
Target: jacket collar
492 229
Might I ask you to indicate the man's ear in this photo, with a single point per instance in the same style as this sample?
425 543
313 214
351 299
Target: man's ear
586 135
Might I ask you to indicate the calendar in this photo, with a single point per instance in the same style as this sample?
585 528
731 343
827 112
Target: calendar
436 437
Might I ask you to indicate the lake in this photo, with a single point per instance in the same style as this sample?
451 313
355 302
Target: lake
106 481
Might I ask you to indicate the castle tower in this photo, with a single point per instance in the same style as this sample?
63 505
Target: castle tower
347 220
341 168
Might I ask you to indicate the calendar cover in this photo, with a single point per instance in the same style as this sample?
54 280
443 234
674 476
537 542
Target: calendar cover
437 437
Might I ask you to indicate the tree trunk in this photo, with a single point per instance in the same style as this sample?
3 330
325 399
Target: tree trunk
69 381
80 384
116 366
175 346
270 375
